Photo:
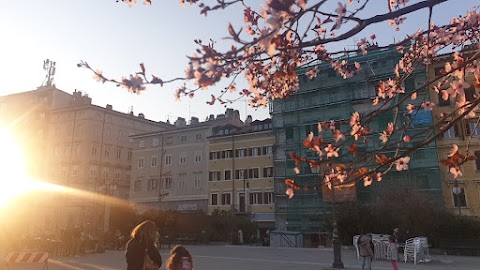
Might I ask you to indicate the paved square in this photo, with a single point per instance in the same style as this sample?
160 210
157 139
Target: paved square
254 258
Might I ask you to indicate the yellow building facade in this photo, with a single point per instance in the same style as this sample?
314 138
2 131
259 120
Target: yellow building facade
241 172
464 133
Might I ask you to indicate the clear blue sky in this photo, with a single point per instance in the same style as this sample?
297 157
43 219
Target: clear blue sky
115 38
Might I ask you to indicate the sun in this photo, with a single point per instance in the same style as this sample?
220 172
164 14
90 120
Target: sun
14 180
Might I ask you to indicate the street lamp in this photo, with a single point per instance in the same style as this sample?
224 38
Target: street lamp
337 252
457 191
106 189
246 189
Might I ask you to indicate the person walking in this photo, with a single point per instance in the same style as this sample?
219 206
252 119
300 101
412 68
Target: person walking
366 251
180 259
392 252
141 250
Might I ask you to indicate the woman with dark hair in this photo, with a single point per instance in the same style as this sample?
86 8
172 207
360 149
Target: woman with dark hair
180 259
141 249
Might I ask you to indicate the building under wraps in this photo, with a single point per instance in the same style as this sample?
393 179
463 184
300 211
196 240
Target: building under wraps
330 97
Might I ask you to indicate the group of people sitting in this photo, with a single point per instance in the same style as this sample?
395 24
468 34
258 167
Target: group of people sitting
142 251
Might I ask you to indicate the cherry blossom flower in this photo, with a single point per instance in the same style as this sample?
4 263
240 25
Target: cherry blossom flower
379 177
410 108
427 105
338 135
387 133
401 164
290 193
456 171
367 180
331 151
407 138
98 76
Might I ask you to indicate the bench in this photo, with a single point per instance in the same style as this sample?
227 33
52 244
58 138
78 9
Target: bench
184 239
469 247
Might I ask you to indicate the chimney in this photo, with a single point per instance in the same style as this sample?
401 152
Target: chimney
180 122
248 121
141 115
109 107
211 117
229 113
193 120
220 116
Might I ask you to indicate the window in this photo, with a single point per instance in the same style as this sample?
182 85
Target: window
254 173
155 142
256 198
198 156
152 184
168 182
154 161
439 71
452 132
289 133
183 159
409 85
141 144
105 173
129 155
94 150
240 152
75 172
227 154
214 199
441 101
226 198
117 175
459 200
214 176
108 133
254 151
228 175
198 137
93 171
181 181
470 94
473 129
183 138
268 198
168 160
107 152
140 162
214 155
138 185
119 153
268 172
197 182
168 140
477 160
240 174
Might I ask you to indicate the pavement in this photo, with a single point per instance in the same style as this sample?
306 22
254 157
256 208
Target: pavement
253 258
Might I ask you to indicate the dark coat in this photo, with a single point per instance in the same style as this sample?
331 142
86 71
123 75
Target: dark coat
135 254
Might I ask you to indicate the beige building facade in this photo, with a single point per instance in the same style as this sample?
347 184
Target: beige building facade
83 148
241 172
464 133
170 168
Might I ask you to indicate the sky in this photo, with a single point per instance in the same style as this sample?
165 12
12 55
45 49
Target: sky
115 38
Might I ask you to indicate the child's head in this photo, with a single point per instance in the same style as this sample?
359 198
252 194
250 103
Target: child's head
391 239
180 259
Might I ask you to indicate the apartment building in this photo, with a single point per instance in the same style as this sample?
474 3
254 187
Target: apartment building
170 168
240 177
81 147
463 134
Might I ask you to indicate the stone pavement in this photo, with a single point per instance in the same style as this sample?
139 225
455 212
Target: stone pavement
254 258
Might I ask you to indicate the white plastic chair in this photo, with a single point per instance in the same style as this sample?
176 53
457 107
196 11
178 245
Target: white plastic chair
411 250
423 251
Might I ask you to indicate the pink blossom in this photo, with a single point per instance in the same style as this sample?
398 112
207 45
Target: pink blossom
427 105
379 177
453 151
338 135
290 193
410 108
331 151
407 138
456 171
367 180
401 164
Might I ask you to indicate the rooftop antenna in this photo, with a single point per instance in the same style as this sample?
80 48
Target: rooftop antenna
49 66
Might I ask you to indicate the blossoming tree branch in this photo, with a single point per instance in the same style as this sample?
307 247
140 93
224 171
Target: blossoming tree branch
281 36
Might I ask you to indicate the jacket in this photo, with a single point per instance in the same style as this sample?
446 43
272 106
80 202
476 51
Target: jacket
135 254
365 246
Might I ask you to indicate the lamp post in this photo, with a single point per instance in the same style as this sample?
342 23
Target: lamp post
457 191
106 189
337 252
